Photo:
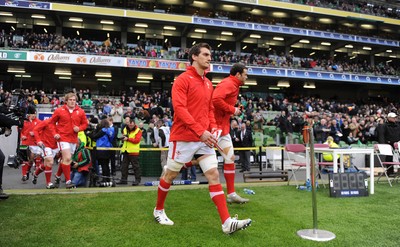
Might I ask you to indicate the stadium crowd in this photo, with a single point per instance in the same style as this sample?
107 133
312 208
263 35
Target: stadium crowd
346 123
377 8
57 43
147 109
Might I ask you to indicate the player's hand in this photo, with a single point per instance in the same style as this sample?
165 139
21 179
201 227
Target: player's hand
208 138
23 138
237 111
31 133
76 129
56 136
40 144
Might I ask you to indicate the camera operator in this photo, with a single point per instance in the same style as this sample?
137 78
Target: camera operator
5 125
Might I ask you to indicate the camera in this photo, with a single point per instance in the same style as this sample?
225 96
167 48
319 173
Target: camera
5 131
14 161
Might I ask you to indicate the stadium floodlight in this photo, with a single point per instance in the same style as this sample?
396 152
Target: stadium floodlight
170 28
310 85
250 83
64 78
77 19
278 38
42 24
326 43
349 46
6 13
18 70
143 76
227 33
63 72
141 25
103 79
107 22
103 74
143 81
255 36
36 16
200 30
283 84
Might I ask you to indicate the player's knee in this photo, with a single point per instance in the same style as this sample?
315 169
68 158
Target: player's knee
208 163
173 165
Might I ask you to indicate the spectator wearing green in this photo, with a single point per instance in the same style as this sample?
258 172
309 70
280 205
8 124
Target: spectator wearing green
87 102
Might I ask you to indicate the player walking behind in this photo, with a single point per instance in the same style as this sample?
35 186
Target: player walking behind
224 98
45 140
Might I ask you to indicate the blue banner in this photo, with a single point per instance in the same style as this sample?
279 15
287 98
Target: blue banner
47 115
310 75
25 4
292 30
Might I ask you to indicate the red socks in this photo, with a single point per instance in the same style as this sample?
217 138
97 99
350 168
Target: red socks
229 174
163 189
26 166
39 169
67 171
47 173
59 170
218 197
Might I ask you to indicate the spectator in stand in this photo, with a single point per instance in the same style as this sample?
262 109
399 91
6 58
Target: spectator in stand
321 131
55 102
258 121
86 102
336 132
390 134
106 108
45 99
129 113
246 140
117 112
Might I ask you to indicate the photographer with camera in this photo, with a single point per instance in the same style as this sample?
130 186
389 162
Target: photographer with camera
5 128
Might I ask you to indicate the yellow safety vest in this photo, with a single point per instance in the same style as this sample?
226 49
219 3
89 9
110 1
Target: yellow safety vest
129 146
82 137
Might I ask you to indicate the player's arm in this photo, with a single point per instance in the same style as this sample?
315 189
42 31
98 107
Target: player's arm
37 130
84 122
53 121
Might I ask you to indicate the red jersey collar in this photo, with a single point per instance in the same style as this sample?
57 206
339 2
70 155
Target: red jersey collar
238 82
192 70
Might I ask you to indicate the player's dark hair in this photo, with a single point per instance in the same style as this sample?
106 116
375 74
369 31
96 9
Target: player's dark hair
195 50
237 68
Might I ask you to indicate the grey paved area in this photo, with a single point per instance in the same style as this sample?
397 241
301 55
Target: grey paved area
12 181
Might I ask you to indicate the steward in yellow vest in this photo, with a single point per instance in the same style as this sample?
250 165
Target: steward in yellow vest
130 150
